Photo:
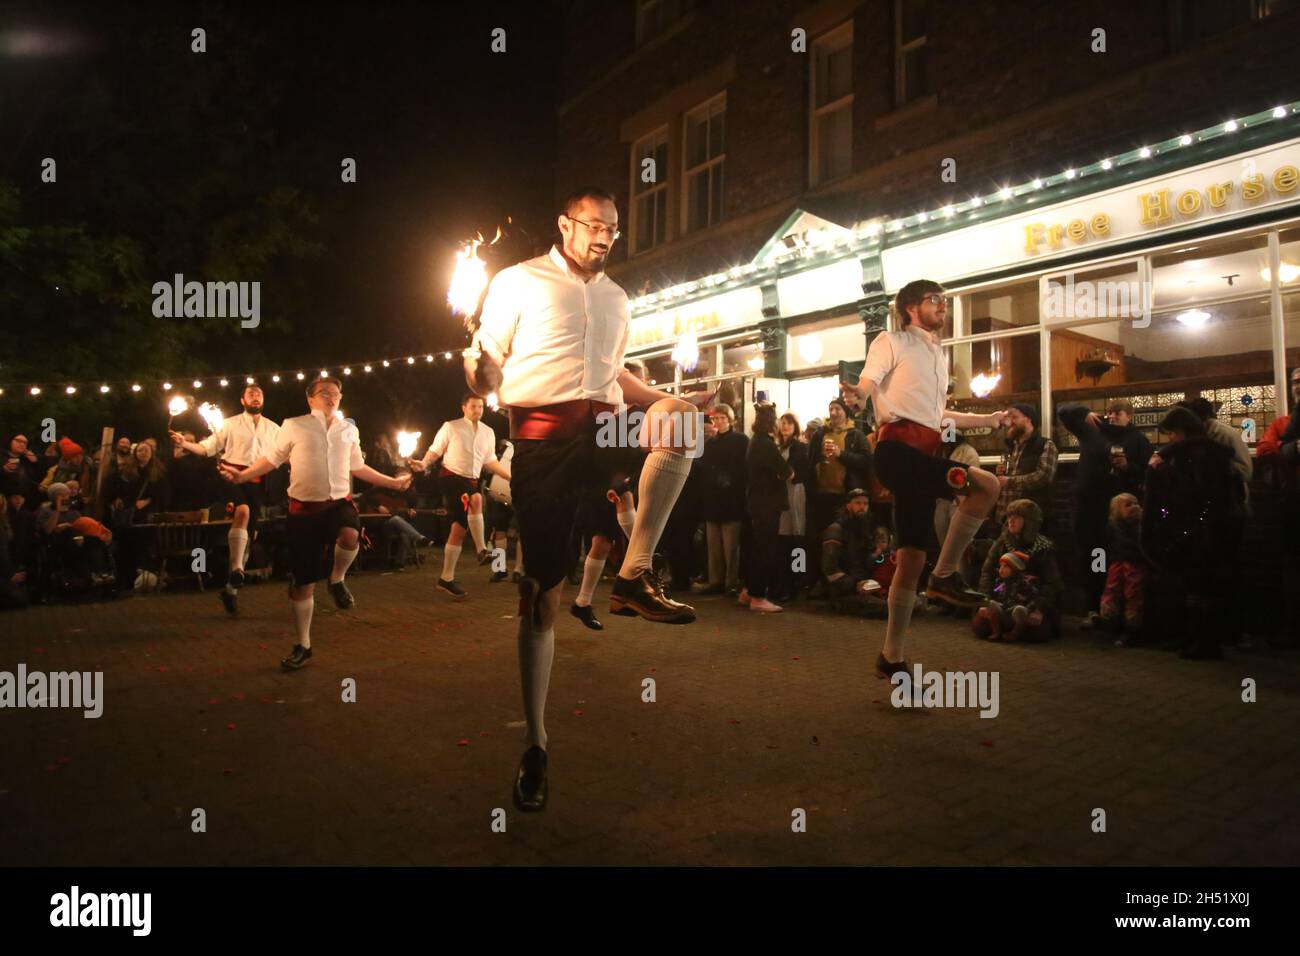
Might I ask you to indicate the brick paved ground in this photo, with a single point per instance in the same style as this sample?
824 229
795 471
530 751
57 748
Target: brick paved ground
756 715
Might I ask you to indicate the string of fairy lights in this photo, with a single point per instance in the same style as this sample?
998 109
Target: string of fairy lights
216 382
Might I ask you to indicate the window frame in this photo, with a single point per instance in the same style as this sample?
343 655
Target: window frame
901 50
688 173
836 40
635 198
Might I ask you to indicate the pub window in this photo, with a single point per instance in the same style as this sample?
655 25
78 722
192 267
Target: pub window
703 162
1193 21
1289 282
831 138
911 53
649 198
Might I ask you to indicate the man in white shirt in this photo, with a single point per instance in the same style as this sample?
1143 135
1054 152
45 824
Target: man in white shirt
551 342
239 442
906 374
324 454
465 447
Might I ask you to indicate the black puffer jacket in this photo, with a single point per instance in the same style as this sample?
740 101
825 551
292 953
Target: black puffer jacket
1042 560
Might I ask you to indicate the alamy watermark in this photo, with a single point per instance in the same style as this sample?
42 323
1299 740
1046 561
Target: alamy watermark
79 690
675 429
209 300
75 908
947 689
1098 300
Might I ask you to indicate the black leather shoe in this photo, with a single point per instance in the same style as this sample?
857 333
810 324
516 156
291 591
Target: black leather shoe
530 785
887 670
641 597
587 616
236 578
342 596
954 591
230 602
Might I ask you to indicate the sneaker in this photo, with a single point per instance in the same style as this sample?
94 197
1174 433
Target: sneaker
230 601
451 587
236 578
497 577
297 658
763 604
639 597
953 590
343 598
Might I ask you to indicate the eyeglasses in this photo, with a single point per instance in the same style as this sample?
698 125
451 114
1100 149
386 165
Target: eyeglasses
598 227
935 299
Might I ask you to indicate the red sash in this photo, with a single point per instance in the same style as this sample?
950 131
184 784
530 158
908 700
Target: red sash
554 422
297 507
231 464
923 439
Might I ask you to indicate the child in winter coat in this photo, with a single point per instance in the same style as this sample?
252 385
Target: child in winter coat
1015 601
1126 568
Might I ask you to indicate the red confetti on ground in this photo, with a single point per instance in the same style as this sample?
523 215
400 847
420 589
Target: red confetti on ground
733 722
262 646
38 650
717 630
221 670
794 658
875 701
987 743
577 713
236 696
214 700
162 670
774 668
763 648
266 700
463 742
65 760
230 726
51 767
482 733
227 771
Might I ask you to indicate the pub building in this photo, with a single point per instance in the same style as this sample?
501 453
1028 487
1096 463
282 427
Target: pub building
1161 273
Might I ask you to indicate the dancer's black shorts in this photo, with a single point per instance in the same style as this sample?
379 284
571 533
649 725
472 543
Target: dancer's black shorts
917 481
550 481
311 540
453 488
251 493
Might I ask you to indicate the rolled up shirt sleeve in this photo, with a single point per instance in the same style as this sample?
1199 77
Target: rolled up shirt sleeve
279 453
880 359
500 316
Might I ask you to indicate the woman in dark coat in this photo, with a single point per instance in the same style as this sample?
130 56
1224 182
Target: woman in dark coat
722 498
794 521
1192 523
767 472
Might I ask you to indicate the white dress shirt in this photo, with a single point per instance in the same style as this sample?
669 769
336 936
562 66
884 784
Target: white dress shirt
562 339
322 452
242 440
911 375
463 447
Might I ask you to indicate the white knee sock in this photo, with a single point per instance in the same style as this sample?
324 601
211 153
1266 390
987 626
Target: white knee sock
476 530
302 618
450 555
900 603
627 521
536 652
961 532
519 554
238 541
662 478
343 559
590 578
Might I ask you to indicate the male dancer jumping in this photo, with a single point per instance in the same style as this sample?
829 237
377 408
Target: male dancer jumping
551 342
324 453
238 443
466 447
907 375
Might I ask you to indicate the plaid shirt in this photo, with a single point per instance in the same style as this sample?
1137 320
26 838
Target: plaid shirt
1027 485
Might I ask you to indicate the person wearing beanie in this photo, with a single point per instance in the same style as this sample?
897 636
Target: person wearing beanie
1013 610
839 459
1222 434
1192 522
1022 540
72 466
1029 465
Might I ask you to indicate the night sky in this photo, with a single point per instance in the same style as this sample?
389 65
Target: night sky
226 165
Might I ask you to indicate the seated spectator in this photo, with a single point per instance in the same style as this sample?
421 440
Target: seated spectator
21 472
839 460
398 528
848 547
1192 526
22 527
1020 532
1029 465
71 466
76 547
1014 609
1126 569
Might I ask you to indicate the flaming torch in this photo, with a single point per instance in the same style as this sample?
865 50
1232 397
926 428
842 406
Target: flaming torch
406 442
686 352
982 384
211 416
178 405
469 279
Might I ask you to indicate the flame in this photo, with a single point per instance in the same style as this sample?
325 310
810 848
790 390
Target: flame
406 442
470 277
492 401
177 406
982 384
686 352
211 415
